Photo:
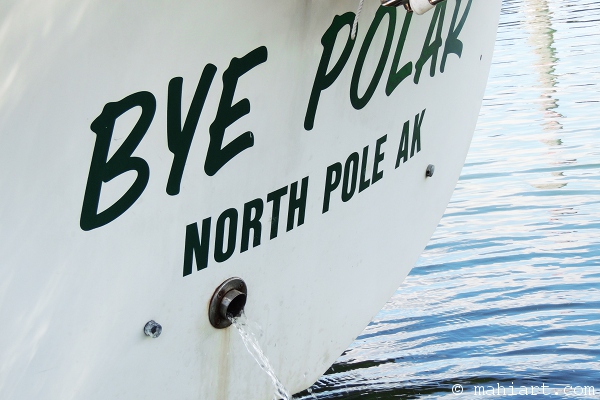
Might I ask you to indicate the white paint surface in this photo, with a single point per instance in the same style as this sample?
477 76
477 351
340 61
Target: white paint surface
73 304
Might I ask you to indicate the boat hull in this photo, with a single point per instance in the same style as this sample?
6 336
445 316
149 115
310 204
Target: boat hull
149 152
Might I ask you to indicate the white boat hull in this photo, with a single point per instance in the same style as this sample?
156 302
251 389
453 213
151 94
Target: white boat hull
78 284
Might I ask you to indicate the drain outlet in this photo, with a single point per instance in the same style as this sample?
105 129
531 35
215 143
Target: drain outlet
228 301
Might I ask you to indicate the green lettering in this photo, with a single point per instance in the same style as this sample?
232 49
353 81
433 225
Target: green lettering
196 248
323 79
364 183
275 197
416 139
396 77
222 254
431 49
217 156
332 181
103 170
179 139
360 102
453 44
350 175
297 202
403 149
379 155
250 222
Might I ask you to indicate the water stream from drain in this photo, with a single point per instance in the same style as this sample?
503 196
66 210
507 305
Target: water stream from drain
249 337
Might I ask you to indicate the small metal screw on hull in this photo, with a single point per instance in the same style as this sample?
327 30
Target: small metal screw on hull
152 329
430 170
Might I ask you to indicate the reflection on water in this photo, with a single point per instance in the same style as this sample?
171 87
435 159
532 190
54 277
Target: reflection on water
508 290
538 23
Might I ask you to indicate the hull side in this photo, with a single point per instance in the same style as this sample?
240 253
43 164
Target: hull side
76 291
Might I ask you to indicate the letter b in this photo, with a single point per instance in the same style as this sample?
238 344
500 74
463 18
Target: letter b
103 170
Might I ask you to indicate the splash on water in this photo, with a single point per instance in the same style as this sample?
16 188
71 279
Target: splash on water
248 334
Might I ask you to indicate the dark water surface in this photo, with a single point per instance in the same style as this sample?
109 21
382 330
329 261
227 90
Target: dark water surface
507 292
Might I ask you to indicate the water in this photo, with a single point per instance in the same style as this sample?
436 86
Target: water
508 291
249 334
